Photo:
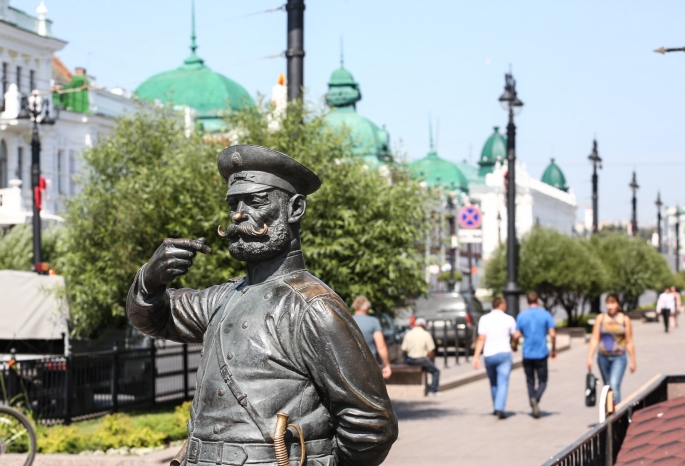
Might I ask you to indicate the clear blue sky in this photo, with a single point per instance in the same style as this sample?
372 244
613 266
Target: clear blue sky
583 68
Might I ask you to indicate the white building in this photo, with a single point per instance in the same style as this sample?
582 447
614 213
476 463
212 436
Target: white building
547 201
28 63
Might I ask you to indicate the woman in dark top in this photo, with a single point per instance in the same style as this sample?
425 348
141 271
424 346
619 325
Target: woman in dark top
613 334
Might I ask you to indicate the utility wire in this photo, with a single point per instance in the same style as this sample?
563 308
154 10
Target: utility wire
270 10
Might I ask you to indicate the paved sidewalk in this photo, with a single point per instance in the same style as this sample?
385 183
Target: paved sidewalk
456 375
459 429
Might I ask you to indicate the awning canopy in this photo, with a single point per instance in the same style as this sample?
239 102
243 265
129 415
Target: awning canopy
32 306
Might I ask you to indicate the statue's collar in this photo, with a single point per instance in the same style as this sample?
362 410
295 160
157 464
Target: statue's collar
265 271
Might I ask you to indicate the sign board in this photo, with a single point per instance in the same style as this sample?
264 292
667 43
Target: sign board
470 217
470 236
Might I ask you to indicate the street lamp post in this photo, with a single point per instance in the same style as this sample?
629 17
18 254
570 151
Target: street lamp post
634 186
677 239
452 205
596 161
513 105
295 52
33 109
658 219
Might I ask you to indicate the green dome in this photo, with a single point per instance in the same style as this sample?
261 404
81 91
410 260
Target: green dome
193 84
343 90
494 150
342 77
368 140
436 171
553 176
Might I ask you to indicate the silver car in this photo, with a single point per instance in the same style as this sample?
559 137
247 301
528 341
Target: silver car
450 309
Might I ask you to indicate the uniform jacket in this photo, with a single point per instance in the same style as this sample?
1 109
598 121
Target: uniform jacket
292 346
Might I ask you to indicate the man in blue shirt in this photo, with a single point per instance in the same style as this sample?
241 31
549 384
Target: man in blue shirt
534 324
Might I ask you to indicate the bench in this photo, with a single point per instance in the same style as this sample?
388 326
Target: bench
573 332
406 382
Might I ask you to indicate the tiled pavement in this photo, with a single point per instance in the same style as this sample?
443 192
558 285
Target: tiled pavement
458 429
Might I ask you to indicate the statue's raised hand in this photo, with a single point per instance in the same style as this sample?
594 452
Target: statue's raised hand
172 259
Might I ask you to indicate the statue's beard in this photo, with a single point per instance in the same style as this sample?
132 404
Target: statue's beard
246 245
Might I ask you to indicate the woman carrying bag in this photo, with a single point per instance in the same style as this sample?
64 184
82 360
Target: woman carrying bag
613 334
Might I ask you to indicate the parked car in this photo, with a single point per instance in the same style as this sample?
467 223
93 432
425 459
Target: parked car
447 308
393 335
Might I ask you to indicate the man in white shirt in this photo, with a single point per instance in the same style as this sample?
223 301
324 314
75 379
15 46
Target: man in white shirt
666 306
419 350
495 330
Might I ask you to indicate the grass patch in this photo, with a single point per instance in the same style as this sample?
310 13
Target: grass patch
134 430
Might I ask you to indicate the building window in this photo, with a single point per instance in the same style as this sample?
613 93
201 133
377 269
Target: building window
60 171
72 172
32 80
3 164
19 78
20 164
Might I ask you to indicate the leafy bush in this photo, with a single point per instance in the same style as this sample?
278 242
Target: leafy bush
63 439
116 431
119 431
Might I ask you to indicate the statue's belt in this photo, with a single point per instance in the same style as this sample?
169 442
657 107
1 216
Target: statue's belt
205 452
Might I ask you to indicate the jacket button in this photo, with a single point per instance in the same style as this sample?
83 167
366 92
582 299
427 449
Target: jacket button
229 355
221 391
246 324
217 429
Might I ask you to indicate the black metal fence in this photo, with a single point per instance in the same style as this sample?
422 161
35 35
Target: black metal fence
449 333
80 386
601 445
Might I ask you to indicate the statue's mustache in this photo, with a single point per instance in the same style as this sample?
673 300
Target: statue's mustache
247 228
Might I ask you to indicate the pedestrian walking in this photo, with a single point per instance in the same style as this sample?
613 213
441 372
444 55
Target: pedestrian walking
678 305
666 306
495 331
534 325
372 332
419 350
613 334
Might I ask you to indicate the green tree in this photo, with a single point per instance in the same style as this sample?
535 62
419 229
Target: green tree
362 228
562 270
16 246
632 267
148 181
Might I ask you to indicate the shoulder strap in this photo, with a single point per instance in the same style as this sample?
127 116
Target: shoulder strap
232 383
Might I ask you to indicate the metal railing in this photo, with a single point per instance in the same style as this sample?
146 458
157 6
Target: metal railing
81 386
445 333
601 445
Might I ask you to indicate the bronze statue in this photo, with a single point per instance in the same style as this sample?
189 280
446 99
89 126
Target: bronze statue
279 345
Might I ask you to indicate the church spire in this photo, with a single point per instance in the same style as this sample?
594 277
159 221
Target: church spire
193 45
431 152
342 53
193 59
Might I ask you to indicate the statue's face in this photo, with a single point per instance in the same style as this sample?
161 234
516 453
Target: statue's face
260 229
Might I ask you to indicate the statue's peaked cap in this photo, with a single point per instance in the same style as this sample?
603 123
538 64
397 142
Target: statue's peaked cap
250 169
